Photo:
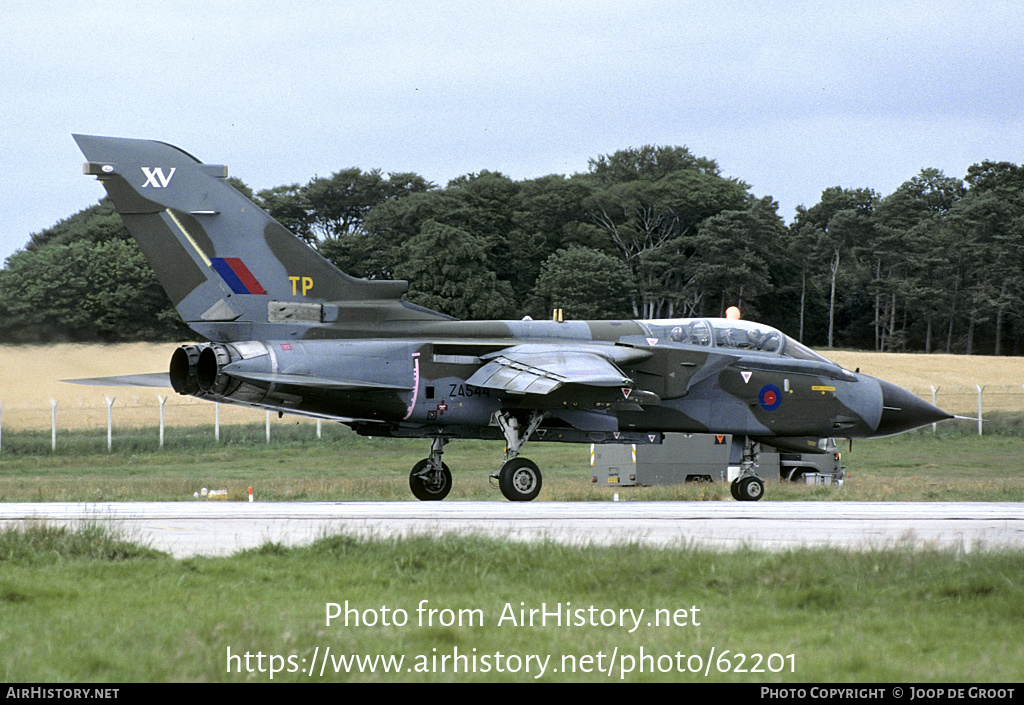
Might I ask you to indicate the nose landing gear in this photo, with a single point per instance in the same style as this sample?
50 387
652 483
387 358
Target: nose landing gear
747 487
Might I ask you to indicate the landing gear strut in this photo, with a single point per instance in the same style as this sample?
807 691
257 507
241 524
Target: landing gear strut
430 479
519 479
747 487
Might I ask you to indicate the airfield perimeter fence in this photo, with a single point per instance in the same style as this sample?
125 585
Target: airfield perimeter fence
174 416
168 418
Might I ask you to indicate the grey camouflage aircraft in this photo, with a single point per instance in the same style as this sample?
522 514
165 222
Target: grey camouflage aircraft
291 333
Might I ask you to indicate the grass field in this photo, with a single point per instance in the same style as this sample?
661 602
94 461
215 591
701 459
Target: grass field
954 465
96 608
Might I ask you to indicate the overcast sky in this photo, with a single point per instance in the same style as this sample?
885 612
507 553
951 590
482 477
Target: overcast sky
791 97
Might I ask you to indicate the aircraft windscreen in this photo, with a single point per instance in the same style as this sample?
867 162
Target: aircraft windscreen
802 352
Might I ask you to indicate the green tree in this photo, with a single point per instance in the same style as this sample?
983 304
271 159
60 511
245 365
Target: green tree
648 163
986 232
585 284
97 223
650 203
799 261
843 219
480 204
85 291
732 254
287 205
911 261
995 200
328 208
447 270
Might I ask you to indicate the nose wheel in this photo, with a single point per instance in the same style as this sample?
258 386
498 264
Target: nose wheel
747 489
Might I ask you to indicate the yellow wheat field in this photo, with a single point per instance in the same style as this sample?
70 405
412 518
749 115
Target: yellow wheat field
30 376
955 377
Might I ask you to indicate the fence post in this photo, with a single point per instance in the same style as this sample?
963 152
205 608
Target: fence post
935 403
1 425
110 423
216 416
163 400
53 425
979 388
268 427
319 425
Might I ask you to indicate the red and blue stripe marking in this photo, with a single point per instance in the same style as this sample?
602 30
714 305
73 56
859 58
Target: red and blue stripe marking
236 275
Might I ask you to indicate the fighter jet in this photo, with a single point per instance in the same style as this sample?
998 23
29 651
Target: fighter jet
291 333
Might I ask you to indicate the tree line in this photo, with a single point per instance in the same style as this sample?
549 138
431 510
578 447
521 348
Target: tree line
649 232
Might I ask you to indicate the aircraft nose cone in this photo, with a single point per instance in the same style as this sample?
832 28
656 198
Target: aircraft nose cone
903 411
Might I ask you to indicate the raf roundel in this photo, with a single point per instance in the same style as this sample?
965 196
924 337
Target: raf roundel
770 397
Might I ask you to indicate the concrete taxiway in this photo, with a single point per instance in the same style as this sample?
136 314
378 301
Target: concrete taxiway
217 528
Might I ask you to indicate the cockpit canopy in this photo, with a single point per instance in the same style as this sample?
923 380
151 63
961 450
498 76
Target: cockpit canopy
730 334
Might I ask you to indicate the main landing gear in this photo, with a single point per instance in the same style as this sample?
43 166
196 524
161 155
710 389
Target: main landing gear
518 479
430 479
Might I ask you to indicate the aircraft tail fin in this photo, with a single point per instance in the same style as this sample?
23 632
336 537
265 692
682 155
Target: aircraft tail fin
228 267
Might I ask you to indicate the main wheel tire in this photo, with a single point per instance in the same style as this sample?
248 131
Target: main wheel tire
749 489
431 488
519 480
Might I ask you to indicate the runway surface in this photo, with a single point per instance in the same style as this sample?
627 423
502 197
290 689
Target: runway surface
216 528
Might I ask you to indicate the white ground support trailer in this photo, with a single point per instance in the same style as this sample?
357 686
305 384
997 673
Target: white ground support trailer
696 457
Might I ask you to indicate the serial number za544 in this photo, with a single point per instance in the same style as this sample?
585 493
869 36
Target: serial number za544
466 390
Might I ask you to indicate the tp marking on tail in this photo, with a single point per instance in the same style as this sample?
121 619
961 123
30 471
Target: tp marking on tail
307 284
